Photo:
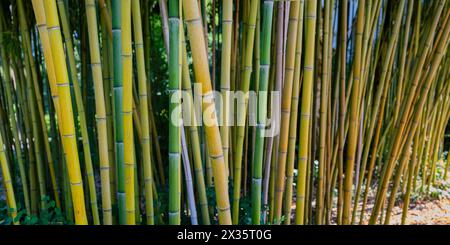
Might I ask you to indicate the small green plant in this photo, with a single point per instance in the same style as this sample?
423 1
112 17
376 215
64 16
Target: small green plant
49 215
245 211
161 205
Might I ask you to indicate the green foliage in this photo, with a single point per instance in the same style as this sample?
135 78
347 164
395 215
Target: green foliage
160 205
245 210
50 215
211 197
4 217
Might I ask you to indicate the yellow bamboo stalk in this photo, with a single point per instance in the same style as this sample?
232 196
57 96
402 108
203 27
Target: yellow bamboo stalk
286 108
201 70
194 135
43 33
227 23
100 110
305 118
127 111
81 110
5 168
30 59
293 119
105 16
241 117
353 116
10 198
68 129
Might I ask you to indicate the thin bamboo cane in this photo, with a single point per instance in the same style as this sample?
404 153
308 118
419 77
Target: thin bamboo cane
118 104
194 137
354 103
80 110
106 18
323 116
400 126
165 23
227 23
100 111
108 78
21 88
286 109
383 82
266 32
419 107
39 169
187 172
305 119
143 104
29 59
42 25
12 120
127 112
294 115
242 109
342 102
7 181
175 113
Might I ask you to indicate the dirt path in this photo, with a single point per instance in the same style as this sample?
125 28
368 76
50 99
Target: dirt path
436 212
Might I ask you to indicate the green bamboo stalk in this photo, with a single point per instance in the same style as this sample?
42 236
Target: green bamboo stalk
266 38
242 112
118 101
174 126
80 110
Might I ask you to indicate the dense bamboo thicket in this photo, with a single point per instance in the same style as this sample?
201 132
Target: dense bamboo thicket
222 111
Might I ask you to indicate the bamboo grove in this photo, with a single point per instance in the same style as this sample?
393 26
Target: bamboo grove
100 115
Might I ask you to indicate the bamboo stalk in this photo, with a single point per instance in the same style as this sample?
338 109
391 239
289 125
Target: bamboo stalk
68 130
293 119
80 110
266 32
192 17
242 112
354 104
175 113
12 120
143 104
127 112
100 111
118 104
